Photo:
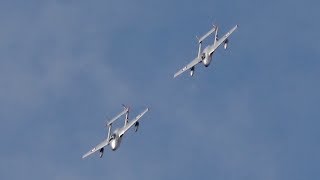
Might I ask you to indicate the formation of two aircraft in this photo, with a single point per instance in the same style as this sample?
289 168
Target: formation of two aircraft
204 56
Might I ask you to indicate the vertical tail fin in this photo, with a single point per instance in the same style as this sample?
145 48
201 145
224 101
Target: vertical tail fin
216 36
109 132
199 51
126 120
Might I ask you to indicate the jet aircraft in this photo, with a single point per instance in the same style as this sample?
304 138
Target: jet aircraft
115 138
206 55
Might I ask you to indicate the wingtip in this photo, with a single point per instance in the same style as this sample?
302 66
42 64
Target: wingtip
86 154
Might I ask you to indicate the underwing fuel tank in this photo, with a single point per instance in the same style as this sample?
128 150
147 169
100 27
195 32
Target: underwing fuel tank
192 71
101 152
225 46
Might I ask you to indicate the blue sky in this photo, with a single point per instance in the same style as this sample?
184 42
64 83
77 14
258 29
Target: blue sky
67 66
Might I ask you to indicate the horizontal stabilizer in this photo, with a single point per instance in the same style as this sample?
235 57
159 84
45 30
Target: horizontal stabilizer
208 34
118 116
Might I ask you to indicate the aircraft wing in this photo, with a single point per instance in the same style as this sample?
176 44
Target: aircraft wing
131 123
190 65
222 39
97 148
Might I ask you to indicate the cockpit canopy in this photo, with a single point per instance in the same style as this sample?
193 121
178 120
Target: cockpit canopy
113 136
203 55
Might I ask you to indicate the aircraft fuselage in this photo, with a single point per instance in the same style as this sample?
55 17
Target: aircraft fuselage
115 141
206 56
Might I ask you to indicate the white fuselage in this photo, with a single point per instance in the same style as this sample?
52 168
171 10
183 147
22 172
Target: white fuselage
206 56
115 141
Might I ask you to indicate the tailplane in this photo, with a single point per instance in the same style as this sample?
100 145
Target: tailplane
207 34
